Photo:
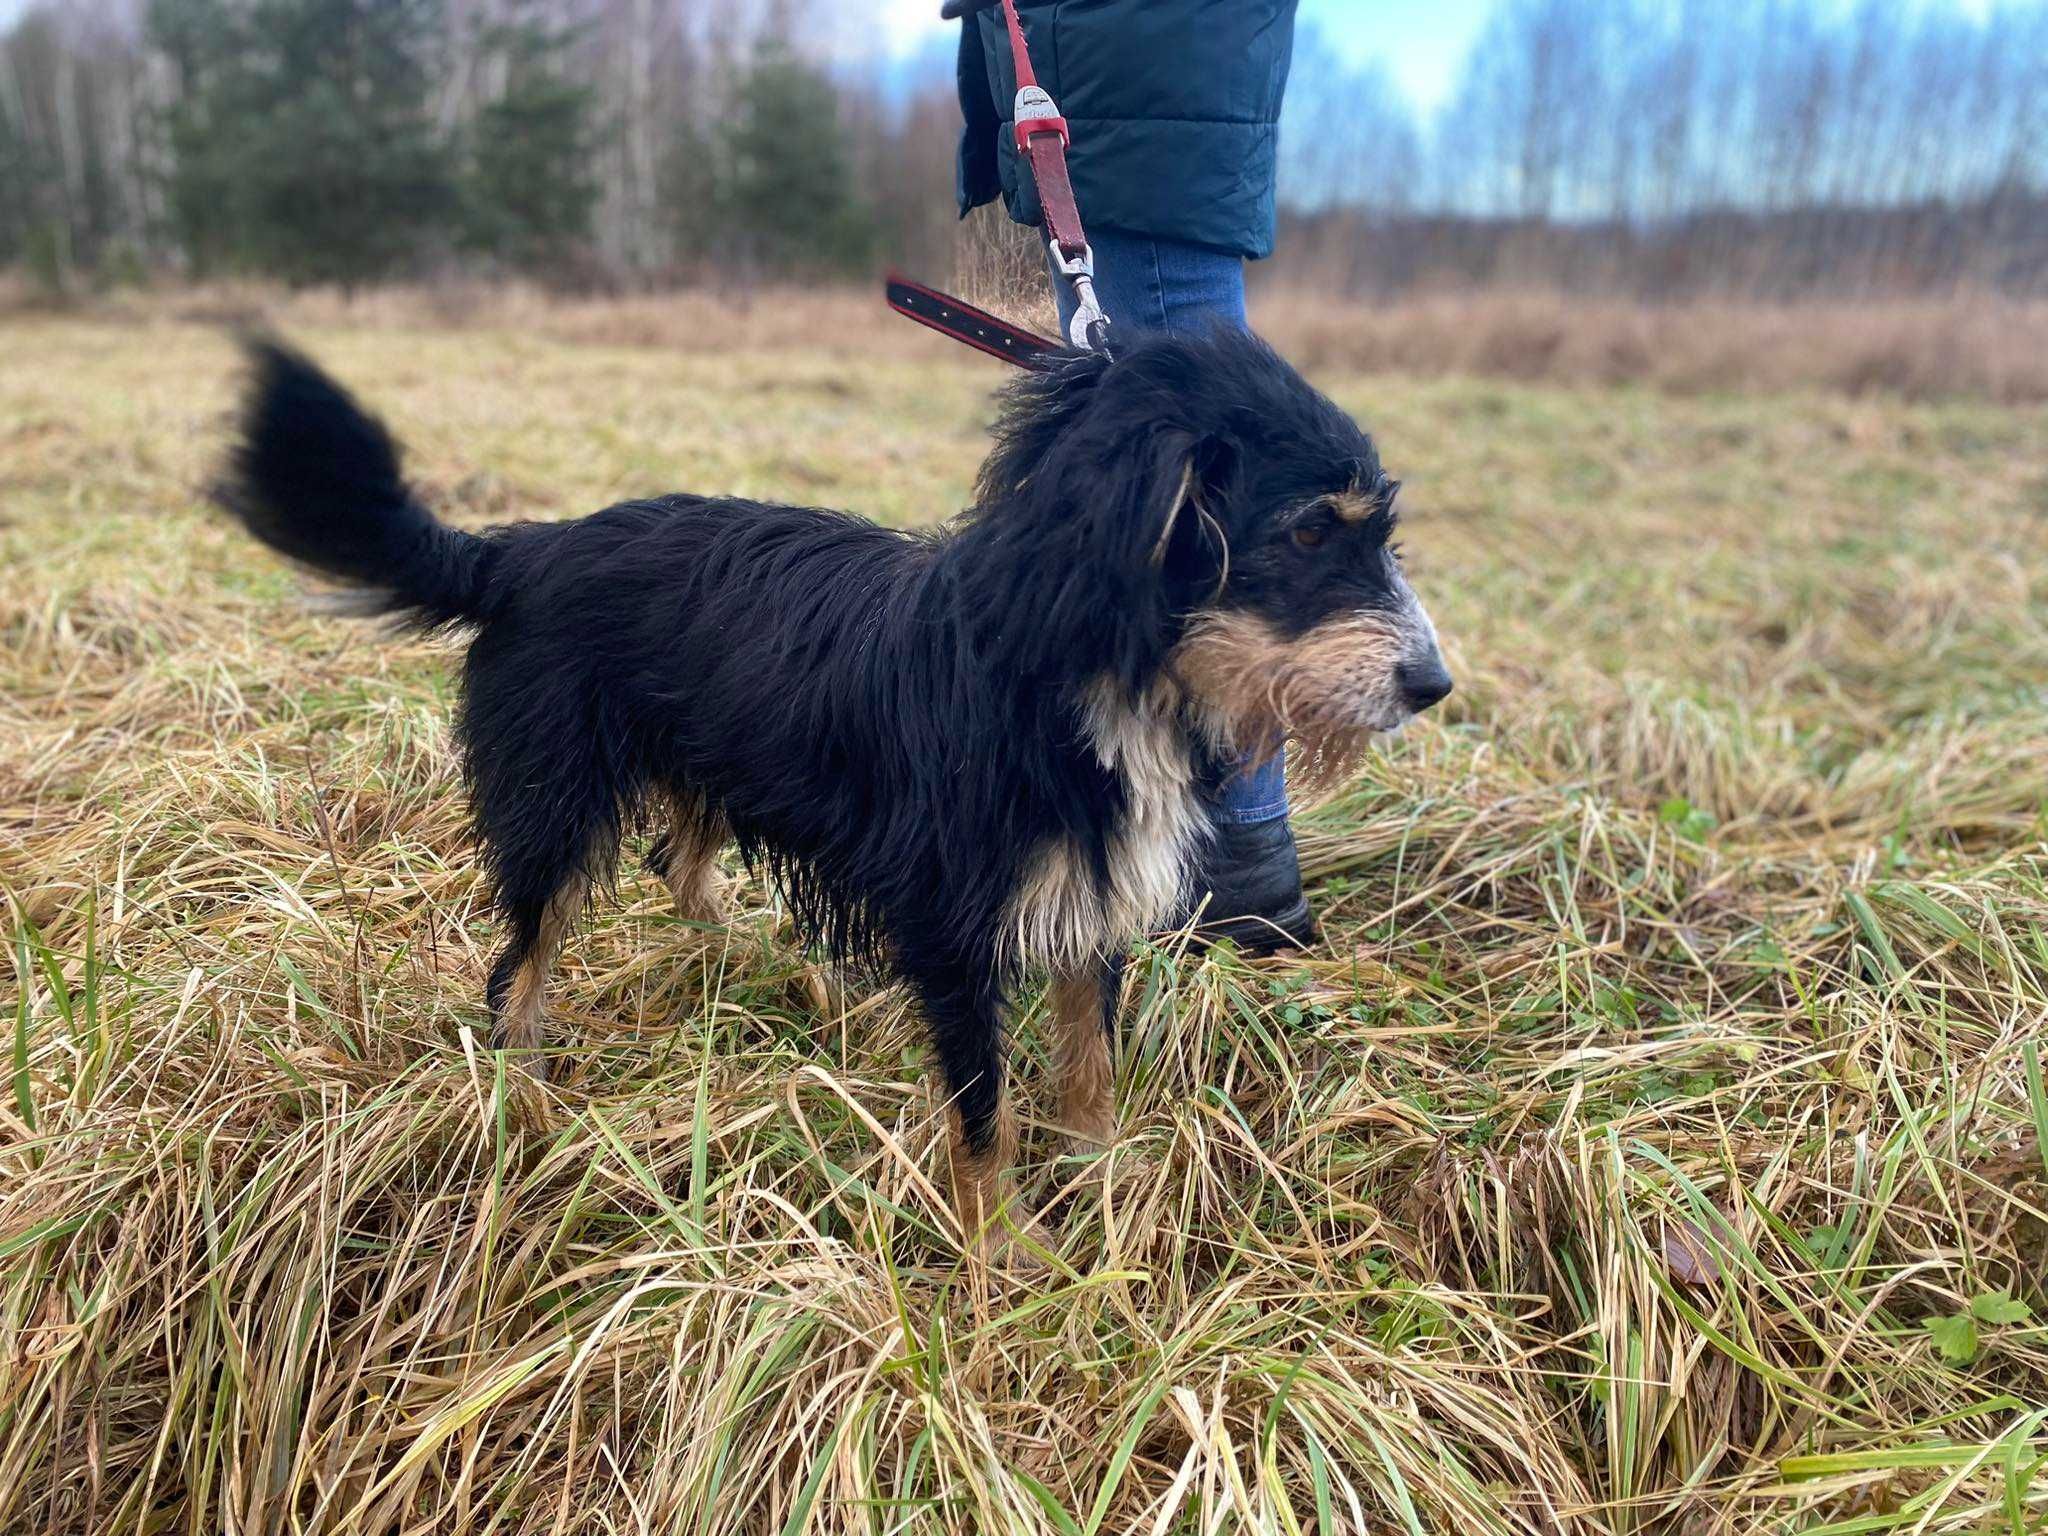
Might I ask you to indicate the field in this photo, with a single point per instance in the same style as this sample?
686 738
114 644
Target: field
1657 1143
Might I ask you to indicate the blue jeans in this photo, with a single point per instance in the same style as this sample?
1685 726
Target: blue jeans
1144 284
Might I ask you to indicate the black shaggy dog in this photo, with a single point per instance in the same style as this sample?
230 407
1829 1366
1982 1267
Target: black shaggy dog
961 754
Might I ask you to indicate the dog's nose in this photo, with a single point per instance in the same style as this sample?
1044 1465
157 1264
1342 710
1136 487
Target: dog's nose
1423 683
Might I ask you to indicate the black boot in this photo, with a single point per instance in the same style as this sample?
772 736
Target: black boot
1247 888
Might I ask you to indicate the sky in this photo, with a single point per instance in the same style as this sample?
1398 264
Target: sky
1420 42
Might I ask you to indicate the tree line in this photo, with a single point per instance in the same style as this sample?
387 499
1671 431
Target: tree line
1759 147
1657 146
351 141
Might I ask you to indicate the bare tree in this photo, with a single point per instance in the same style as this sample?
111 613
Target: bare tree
1652 146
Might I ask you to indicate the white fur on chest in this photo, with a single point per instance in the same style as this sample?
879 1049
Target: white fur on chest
1060 917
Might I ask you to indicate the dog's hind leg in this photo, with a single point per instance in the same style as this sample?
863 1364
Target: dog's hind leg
548 836
550 780
685 855
519 978
1082 1003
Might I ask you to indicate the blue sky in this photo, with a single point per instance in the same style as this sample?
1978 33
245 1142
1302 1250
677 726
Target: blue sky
1421 42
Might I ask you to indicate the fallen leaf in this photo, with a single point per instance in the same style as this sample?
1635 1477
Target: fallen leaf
1689 1256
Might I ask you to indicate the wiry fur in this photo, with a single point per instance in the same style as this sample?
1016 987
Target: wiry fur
1062 915
958 754
1331 691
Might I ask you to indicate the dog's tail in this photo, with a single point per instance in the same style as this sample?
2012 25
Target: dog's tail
317 479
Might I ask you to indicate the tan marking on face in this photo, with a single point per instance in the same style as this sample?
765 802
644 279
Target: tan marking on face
1330 689
1082 1069
1353 506
522 1023
1062 916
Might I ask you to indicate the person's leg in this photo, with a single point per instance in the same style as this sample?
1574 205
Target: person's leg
1144 284
1251 881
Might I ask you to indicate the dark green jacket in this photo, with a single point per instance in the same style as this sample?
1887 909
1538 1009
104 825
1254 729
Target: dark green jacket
1174 106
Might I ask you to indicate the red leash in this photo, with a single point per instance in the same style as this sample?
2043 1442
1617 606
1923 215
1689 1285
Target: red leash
964 323
1042 138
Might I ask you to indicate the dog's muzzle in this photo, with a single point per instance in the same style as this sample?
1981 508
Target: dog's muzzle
1425 682
1420 679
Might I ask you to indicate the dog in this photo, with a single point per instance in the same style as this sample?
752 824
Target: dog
963 755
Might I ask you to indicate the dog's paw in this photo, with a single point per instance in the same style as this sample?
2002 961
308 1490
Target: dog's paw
1018 1244
522 1048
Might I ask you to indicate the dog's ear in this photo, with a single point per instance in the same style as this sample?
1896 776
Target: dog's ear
1098 516
1191 549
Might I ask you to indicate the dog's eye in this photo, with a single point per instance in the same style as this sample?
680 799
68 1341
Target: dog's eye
1308 536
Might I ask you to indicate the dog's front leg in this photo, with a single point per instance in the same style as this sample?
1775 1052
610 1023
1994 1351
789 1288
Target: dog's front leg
963 1007
1083 1003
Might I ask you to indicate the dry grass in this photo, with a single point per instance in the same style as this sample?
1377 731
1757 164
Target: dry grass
1967 346
837 322
1667 1090
1976 345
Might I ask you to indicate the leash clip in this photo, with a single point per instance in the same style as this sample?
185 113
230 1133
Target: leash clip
1088 328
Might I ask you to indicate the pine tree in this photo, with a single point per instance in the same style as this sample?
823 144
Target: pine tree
24 171
783 180
530 184
301 143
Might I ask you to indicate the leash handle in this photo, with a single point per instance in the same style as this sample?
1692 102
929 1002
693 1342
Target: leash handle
1020 52
1042 138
